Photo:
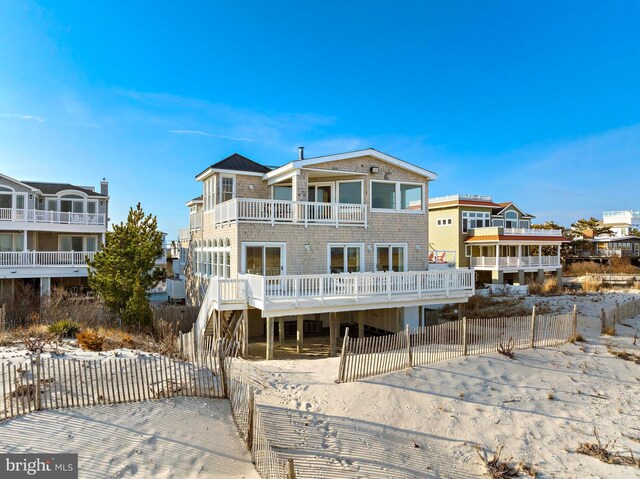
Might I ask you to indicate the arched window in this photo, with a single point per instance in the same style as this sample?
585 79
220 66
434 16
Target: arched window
511 219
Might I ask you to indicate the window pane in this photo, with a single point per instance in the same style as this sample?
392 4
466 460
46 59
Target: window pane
91 243
382 259
65 243
411 197
65 206
19 243
353 259
52 205
6 201
254 259
227 189
78 207
5 242
350 192
337 259
20 202
76 243
227 265
283 193
397 258
273 261
91 207
383 195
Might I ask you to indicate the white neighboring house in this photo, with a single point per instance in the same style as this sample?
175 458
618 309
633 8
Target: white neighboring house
622 221
47 231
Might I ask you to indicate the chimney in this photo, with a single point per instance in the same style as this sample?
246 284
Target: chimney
104 187
301 153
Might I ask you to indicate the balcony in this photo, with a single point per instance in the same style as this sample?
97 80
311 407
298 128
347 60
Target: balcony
26 264
251 210
51 220
304 294
531 232
514 262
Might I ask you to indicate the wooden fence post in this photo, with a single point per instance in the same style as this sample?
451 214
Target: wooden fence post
533 327
465 346
575 322
250 411
37 392
409 355
181 346
291 471
223 373
343 355
603 321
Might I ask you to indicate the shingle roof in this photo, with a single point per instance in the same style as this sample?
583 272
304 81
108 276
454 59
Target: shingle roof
487 204
237 162
54 188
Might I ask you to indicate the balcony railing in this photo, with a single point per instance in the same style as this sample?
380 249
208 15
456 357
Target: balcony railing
53 217
184 234
18 259
532 232
251 210
514 261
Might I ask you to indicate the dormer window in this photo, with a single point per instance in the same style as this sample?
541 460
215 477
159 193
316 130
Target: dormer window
511 219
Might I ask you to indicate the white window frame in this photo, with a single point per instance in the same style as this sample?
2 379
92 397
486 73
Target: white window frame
337 191
84 242
467 250
266 244
398 208
330 184
405 247
511 219
526 224
273 192
486 216
444 222
233 189
344 246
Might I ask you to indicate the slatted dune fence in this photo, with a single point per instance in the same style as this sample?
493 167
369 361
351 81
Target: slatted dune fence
621 312
242 380
366 357
54 383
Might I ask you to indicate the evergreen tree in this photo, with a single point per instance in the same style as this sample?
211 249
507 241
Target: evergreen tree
127 259
593 224
138 310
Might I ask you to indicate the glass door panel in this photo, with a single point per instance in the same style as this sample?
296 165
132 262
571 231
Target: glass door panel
273 261
353 259
382 259
254 259
397 257
337 259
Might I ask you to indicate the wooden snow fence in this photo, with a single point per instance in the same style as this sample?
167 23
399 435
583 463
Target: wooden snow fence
59 382
242 380
621 312
172 320
365 357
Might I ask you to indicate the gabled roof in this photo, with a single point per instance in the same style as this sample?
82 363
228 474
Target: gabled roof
238 163
345 156
18 182
506 204
55 188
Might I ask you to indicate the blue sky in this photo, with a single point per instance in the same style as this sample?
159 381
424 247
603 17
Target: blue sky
534 102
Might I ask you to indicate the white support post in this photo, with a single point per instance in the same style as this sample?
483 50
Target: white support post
497 256
24 240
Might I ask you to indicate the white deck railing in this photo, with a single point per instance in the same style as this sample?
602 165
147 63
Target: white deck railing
34 259
54 217
251 210
532 232
514 261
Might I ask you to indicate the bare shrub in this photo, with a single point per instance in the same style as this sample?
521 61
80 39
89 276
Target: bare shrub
496 468
604 453
534 287
507 349
90 341
583 268
627 356
578 338
591 284
480 306
609 331
636 284
621 265
35 338
550 286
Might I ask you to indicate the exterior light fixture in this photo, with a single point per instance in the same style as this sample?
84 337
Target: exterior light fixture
251 187
369 247
374 169
418 247
307 247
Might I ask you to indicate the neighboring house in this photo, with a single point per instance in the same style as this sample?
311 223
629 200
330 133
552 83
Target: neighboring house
317 243
495 239
47 230
621 222
602 248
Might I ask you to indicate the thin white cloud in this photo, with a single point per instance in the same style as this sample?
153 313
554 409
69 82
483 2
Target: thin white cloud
84 125
39 119
204 133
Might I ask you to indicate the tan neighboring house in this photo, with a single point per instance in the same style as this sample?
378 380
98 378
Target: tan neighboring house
495 239
316 244
47 230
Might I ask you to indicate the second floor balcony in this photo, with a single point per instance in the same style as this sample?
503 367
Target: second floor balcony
251 210
515 262
12 217
26 264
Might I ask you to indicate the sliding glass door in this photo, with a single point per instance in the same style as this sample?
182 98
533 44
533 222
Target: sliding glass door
391 257
264 260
